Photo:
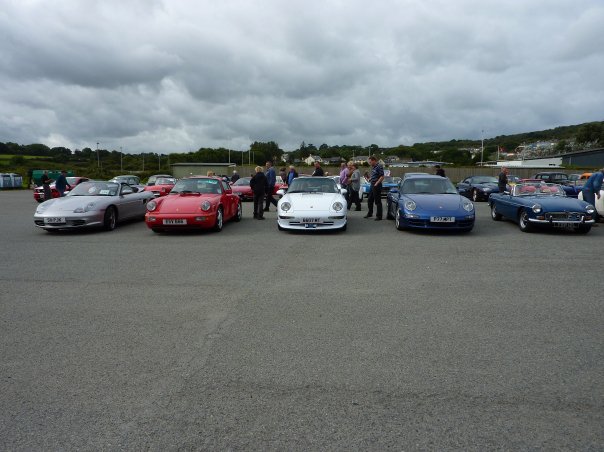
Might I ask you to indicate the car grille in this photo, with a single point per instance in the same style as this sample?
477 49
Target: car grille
302 225
419 223
564 216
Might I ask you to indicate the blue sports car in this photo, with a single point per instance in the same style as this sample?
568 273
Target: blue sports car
533 204
478 187
429 202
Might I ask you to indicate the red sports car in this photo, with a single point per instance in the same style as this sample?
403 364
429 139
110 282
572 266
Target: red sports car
194 203
73 181
243 189
161 186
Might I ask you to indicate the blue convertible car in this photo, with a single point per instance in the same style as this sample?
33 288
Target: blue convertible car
429 202
533 204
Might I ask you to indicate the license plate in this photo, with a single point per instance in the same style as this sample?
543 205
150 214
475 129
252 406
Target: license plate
310 226
566 226
176 221
54 220
442 219
311 220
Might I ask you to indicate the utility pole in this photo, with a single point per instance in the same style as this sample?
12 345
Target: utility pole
481 146
121 160
159 160
143 161
98 158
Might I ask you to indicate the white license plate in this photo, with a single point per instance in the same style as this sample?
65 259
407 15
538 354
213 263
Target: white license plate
54 220
176 221
442 219
311 220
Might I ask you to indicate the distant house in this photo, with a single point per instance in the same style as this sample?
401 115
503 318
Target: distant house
392 159
360 159
311 159
285 157
333 160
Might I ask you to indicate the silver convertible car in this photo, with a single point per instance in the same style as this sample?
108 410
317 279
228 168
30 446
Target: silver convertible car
93 204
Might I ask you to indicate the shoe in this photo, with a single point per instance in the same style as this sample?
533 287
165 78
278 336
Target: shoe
378 219
266 210
368 215
261 218
358 209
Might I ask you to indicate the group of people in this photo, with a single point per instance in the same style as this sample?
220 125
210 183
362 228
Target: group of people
61 184
263 187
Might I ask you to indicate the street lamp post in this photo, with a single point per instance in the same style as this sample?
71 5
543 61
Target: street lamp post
98 158
481 146
121 160
159 162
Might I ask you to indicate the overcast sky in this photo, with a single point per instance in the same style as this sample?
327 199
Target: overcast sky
176 75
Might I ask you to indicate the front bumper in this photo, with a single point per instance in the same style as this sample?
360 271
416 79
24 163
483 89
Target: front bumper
72 221
300 221
201 220
422 221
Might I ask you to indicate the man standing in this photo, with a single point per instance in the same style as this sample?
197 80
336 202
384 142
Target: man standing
318 170
259 185
355 186
591 189
61 184
502 183
439 171
291 175
345 181
46 185
235 176
271 180
375 195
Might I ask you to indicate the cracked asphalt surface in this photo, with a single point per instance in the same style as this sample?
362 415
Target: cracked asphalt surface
254 339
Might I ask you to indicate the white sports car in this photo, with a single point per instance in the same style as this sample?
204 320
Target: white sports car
312 203
599 202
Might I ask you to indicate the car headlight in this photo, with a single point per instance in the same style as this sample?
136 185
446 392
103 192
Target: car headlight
468 206
285 206
537 208
590 209
410 205
206 205
337 206
86 208
151 206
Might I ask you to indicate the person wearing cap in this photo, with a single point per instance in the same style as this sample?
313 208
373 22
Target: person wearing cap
61 184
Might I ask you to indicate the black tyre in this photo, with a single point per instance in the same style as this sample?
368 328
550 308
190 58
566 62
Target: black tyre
523 222
397 220
389 215
494 215
156 230
110 219
343 228
239 213
219 220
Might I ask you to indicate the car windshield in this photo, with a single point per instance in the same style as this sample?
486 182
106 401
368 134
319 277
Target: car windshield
242 181
72 180
391 180
313 185
433 186
538 189
165 181
95 189
484 180
201 185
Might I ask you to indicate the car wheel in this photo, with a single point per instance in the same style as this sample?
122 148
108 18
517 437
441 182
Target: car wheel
475 195
343 228
110 220
523 222
156 230
239 213
397 220
583 229
494 215
219 220
389 215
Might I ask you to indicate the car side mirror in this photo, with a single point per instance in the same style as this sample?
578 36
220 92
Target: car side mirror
343 191
281 192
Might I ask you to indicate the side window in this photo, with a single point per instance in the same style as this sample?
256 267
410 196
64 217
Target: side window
225 186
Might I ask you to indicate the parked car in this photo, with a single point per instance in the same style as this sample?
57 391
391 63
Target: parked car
242 188
72 181
537 204
127 179
478 188
194 203
555 177
599 203
152 179
93 204
161 186
312 203
429 202
388 183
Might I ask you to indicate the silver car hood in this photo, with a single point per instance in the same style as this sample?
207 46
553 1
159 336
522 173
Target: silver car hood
70 203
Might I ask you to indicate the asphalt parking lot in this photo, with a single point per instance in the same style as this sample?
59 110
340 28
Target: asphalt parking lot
255 339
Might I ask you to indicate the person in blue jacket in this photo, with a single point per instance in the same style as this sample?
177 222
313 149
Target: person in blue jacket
592 188
271 180
61 183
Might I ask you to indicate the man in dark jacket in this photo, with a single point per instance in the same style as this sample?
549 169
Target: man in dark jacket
271 179
61 184
318 170
259 186
503 180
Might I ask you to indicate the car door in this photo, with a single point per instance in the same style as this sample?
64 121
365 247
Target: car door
464 186
228 200
130 205
506 204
